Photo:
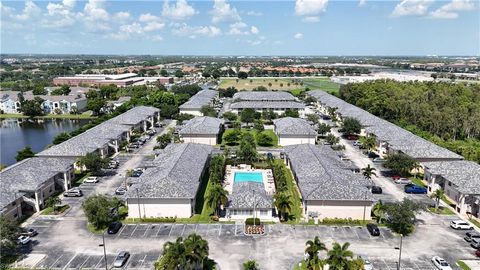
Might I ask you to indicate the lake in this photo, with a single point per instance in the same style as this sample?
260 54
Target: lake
15 134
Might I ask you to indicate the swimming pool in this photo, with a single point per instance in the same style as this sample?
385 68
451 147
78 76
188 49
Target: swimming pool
248 177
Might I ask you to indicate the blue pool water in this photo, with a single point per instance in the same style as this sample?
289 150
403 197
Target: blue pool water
248 177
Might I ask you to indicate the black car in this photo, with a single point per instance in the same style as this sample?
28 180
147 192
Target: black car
376 190
373 229
114 227
372 155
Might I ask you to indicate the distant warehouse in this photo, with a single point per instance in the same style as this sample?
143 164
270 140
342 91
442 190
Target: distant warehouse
120 80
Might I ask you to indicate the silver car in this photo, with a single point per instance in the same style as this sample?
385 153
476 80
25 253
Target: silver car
121 259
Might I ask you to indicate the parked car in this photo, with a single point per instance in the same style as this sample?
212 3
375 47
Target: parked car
352 137
121 190
403 181
373 229
441 263
91 179
121 259
151 132
29 232
372 155
137 173
469 236
23 239
113 164
477 252
395 177
74 192
460 225
114 227
378 160
414 189
376 190
475 243
357 143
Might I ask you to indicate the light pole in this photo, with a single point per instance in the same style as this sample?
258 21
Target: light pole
400 252
104 250
138 202
364 206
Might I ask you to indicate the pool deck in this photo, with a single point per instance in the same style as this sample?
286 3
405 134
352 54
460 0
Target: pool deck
267 176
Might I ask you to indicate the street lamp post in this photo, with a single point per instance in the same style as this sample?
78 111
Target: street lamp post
104 250
400 253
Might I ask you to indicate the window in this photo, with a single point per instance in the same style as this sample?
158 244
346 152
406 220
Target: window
263 212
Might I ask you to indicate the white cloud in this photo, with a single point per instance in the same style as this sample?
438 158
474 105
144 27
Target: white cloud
254 30
181 10
152 22
153 26
147 17
411 8
450 10
238 28
223 12
156 38
254 13
122 16
194 31
310 9
362 3
298 36
95 17
60 15
30 11
126 31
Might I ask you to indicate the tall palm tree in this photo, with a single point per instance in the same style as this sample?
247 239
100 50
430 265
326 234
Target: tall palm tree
368 142
217 196
173 255
437 195
283 204
196 251
338 256
379 211
368 172
313 248
53 202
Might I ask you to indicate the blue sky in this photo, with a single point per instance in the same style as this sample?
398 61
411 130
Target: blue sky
302 27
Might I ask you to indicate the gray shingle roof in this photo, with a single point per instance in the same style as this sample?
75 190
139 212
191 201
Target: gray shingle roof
267 105
29 174
202 98
263 96
464 174
204 125
293 126
176 174
100 135
244 194
321 175
399 138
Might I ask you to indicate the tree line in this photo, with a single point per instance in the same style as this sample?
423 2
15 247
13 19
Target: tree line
445 113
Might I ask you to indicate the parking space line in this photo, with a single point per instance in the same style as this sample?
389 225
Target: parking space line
159 228
235 229
220 230
148 226
51 266
355 232
171 228
136 226
81 266
120 232
65 267
143 261
183 230
99 262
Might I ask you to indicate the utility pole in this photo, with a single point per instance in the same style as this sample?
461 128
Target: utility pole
400 253
104 250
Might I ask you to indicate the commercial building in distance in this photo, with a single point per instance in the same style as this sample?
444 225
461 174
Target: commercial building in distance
170 187
120 80
204 130
328 186
197 101
294 131
276 101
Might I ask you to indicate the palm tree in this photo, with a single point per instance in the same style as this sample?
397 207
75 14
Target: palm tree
368 172
173 255
282 202
217 196
53 202
368 142
196 251
250 265
379 211
437 195
338 256
313 248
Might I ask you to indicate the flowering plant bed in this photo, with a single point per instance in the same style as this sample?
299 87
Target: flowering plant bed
255 229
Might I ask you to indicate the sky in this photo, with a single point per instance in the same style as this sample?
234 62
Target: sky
221 27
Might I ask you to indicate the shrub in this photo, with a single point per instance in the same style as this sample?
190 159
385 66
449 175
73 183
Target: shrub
249 221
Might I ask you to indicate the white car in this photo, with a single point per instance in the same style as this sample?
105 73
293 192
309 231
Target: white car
23 239
91 179
460 225
403 181
441 263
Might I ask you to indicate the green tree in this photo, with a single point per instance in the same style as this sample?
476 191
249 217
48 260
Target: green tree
61 137
207 110
351 126
331 139
437 196
63 90
250 265
24 153
400 163
196 251
379 211
98 210
323 129
313 247
368 142
217 196
179 73
339 257
53 202
368 171
264 139
228 92
242 75
32 107
248 115
164 73
39 91
247 150
283 204
191 253
401 216
230 116
164 140
291 113
96 105
231 136
93 162
258 125
313 118
8 236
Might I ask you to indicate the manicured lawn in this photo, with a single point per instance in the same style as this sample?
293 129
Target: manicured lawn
12 115
296 205
441 211
462 265
79 176
51 116
254 132
245 84
418 181
322 83
60 209
475 222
